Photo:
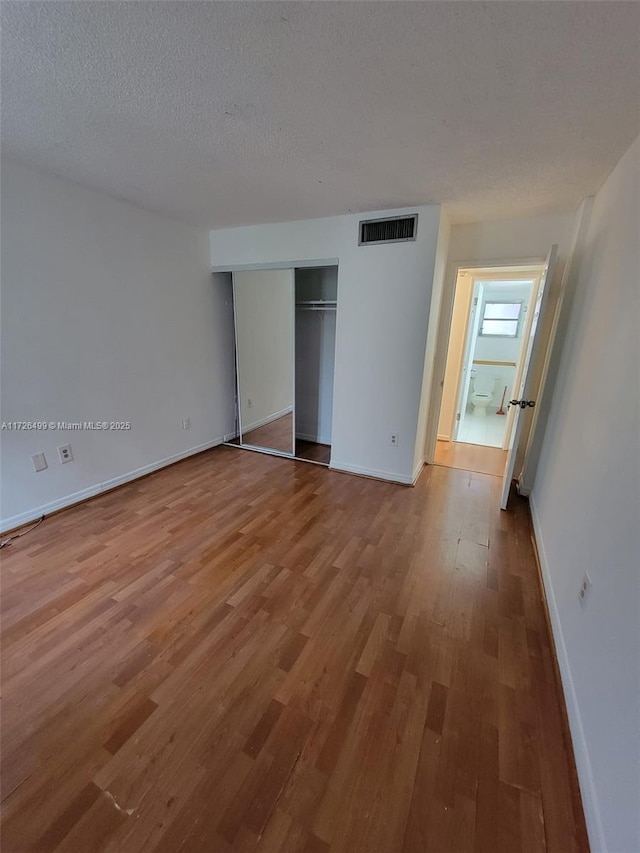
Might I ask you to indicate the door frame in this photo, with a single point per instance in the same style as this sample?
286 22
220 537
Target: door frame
499 268
463 380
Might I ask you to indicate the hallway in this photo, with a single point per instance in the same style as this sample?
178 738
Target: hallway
471 457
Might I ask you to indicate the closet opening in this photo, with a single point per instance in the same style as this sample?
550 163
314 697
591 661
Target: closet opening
316 290
284 326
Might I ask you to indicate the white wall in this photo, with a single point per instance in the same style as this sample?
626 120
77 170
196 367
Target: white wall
499 348
586 507
384 295
264 333
109 313
524 237
428 412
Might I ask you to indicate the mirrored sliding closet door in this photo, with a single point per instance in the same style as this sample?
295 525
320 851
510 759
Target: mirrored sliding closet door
265 351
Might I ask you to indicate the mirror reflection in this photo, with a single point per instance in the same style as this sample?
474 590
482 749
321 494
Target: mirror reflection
264 316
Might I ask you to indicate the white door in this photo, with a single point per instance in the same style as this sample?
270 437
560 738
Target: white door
467 361
533 345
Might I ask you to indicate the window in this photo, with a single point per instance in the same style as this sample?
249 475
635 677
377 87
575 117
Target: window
501 319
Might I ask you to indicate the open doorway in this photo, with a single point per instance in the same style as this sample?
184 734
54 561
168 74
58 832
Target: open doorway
490 326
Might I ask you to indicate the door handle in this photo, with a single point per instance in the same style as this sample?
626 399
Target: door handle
522 403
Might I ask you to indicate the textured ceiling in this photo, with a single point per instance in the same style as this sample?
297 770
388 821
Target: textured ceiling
231 113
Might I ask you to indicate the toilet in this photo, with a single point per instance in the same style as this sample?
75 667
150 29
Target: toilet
481 393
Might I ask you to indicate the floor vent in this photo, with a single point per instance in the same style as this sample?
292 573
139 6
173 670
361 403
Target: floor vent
398 229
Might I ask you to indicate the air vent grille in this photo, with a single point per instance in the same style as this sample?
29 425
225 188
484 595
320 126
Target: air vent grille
394 230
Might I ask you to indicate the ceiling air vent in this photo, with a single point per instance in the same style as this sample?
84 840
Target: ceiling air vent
398 229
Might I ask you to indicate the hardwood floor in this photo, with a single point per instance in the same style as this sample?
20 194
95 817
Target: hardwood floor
246 653
314 451
471 457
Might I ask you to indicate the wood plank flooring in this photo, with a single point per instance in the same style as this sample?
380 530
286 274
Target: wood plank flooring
245 653
312 450
471 457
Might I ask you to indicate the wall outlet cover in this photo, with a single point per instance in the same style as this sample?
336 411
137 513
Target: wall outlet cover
65 453
585 590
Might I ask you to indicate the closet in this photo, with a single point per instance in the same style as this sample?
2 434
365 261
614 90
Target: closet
315 340
285 332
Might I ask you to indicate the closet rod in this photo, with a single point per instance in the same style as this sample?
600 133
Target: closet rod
316 308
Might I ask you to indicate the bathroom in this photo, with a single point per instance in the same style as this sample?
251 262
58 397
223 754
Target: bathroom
493 360
489 326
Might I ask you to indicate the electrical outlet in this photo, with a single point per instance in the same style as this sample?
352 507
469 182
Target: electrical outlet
394 439
39 462
186 423
249 402
65 453
585 590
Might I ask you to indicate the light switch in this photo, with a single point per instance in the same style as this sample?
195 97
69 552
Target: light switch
39 462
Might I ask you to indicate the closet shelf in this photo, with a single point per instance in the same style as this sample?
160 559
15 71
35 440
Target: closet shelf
317 305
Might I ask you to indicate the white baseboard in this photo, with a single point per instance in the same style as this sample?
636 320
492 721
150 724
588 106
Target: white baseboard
269 419
371 472
417 471
592 816
91 491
